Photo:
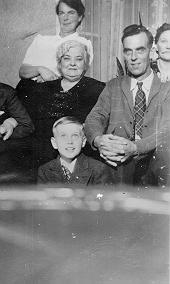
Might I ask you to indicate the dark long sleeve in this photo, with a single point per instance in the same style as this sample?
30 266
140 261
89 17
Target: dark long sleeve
10 104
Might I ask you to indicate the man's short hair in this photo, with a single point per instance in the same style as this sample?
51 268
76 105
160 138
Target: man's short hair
165 27
135 30
67 120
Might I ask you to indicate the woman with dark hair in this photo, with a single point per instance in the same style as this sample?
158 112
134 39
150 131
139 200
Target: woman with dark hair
162 41
74 4
39 63
73 94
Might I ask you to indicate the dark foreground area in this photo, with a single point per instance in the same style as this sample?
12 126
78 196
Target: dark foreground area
47 241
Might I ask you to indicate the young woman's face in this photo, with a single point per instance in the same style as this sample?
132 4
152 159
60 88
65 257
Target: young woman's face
73 63
163 46
68 18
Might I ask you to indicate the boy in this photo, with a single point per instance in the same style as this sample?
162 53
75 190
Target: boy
71 166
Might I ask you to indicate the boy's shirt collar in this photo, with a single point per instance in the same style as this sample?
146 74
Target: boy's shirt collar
69 166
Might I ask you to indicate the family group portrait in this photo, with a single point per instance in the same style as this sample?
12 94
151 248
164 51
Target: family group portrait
84 141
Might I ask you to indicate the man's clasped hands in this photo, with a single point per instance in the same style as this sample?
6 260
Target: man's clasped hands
115 149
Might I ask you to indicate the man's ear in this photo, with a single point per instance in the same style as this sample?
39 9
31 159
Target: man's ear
53 142
84 141
80 19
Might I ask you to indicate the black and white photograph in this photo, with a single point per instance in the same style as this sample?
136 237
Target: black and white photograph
84 141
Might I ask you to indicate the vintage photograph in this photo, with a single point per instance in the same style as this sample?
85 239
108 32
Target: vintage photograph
84 141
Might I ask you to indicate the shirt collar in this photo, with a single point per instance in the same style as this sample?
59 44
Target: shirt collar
147 82
69 166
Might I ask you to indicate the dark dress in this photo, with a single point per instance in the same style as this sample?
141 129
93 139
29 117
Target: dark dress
46 102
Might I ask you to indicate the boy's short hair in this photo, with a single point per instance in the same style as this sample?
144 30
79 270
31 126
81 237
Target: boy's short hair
135 30
67 120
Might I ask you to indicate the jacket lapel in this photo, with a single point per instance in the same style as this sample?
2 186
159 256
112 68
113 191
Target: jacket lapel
82 170
155 88
125 85
57 170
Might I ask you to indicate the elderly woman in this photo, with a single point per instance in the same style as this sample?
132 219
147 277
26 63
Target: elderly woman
39 62
73 94
162 41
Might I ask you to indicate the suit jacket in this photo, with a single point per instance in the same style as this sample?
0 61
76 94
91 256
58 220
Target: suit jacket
10 106
87 171
114 113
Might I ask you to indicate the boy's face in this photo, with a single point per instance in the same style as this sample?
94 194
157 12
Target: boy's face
68 139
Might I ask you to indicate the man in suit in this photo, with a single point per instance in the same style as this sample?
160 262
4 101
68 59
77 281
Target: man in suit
129 124
14 119
15 129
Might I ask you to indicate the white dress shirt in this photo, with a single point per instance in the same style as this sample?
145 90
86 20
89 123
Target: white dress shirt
69 166
147 82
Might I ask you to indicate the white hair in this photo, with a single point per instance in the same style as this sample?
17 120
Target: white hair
79 41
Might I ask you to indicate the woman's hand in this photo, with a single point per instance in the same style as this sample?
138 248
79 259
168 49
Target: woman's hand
45 74
40 73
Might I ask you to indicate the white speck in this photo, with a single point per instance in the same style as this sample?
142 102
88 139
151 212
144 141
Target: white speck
73 236
161 178
163 167
99 196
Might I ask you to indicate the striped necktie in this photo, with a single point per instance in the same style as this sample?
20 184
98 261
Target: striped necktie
66 172
139 109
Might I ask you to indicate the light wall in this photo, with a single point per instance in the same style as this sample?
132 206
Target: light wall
20 21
